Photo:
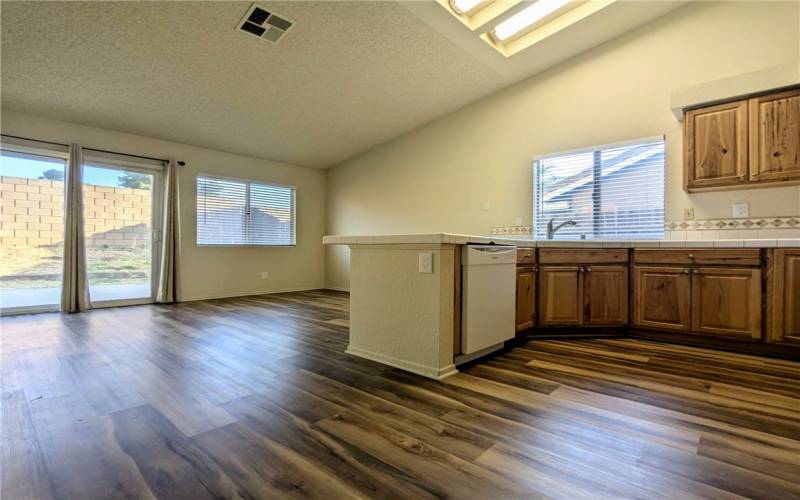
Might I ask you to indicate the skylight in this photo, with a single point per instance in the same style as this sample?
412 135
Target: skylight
511 26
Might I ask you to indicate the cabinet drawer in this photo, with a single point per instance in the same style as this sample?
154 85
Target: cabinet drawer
526 256
700 256
582 256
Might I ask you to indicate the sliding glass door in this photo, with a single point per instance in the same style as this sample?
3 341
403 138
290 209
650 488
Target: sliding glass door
121 213
31 230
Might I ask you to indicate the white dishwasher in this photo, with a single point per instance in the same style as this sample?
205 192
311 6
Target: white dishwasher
488 298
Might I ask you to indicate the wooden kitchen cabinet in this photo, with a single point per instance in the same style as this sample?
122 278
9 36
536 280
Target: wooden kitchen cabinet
784 297
745 143
727 302
526 297
716 145
662 298
606 295
584 295
561 295
775 137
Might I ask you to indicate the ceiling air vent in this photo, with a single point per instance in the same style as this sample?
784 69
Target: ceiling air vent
264 24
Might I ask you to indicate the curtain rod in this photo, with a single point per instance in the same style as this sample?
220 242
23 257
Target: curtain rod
181 163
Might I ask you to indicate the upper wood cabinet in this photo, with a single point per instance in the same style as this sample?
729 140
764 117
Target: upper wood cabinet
746 143
715 145
775 137
783 300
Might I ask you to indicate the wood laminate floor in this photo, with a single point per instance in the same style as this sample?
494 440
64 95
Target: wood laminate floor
254 398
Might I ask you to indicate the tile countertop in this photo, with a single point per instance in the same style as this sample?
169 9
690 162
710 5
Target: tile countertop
463 239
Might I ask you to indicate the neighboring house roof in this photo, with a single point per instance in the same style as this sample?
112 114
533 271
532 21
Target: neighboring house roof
635 156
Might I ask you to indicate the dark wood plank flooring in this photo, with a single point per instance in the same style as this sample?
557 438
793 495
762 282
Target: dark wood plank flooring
254 398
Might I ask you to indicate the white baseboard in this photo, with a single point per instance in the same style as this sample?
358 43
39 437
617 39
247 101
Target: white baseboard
409 366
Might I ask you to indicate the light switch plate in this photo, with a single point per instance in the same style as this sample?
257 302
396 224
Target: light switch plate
264 275
741 210
518 221
426 262
688 213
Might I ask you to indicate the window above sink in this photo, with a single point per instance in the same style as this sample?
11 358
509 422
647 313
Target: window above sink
611 192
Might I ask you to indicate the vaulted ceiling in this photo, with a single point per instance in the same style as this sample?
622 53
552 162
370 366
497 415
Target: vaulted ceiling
347 76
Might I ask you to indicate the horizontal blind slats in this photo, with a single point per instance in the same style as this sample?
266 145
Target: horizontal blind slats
244 213
615 192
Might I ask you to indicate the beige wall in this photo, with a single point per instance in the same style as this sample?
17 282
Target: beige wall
220 271
398 316
439 177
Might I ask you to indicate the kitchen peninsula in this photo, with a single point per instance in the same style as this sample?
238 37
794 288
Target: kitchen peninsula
406 312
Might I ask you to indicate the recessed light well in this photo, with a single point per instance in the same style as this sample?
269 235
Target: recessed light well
526 18
466 6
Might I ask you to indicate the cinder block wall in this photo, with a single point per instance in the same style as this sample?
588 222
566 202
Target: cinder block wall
32 214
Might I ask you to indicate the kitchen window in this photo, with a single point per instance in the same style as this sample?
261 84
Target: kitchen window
239 212
612 192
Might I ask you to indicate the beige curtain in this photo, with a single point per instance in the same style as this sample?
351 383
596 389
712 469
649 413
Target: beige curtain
170 238
75 287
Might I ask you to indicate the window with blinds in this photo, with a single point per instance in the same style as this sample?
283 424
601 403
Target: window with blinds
236 212
611 192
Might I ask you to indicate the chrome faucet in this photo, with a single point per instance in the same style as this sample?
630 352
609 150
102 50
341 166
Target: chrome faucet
551 231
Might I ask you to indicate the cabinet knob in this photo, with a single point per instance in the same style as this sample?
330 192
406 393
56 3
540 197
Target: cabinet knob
695 271
685 271
535 269
580 269
691 256
588 269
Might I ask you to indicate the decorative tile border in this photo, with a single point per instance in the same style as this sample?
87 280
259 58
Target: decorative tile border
790 222
511 230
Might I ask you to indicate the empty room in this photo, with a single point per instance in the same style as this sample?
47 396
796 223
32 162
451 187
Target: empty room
478 249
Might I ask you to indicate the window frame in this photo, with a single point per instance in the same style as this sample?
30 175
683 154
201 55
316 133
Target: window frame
23 148
247 183
596 186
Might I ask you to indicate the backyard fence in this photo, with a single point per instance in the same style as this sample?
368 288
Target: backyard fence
32 214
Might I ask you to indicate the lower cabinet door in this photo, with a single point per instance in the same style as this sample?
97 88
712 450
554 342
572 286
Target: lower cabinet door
560 295
662 298
784 297
727 302
526 297
606 295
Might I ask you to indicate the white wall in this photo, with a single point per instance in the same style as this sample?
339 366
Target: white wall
438 177
218 271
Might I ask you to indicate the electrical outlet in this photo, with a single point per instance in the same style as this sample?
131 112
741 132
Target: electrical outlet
518 221
486 205
741 210
426 262
264 275
688 213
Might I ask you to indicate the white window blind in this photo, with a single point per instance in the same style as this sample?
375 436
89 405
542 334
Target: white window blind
611 192
235 212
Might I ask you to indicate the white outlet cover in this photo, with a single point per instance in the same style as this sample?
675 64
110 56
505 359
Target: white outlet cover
518 221
741 210
264 275
426 262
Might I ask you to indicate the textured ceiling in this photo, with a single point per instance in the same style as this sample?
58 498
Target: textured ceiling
347 76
